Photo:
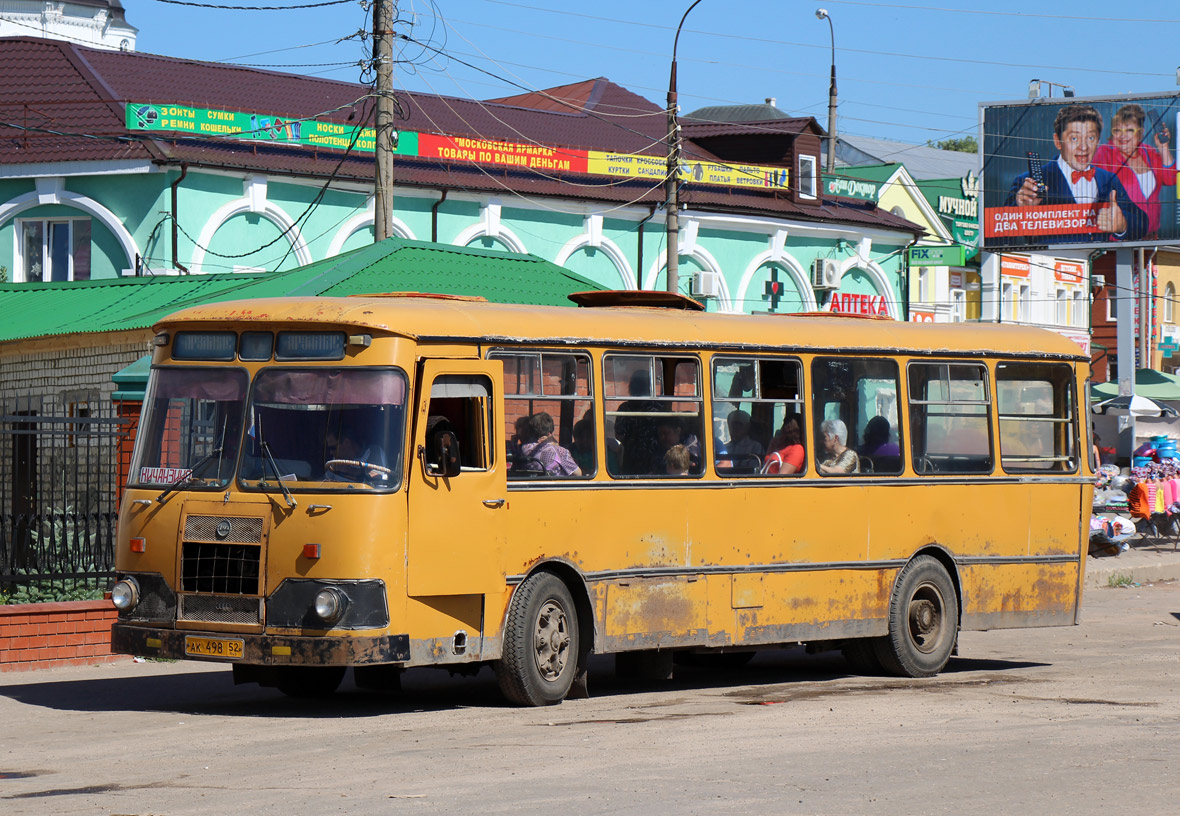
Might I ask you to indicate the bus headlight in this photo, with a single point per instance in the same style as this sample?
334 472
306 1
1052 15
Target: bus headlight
125 594
330 604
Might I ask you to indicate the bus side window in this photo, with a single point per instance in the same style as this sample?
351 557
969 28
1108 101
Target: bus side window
1038 417
950 418
653 404
548 414
758 417
856 398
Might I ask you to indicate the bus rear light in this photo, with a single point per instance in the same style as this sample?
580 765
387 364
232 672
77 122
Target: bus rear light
311 550
138 545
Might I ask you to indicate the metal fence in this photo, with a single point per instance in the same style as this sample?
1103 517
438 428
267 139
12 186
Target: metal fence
59 472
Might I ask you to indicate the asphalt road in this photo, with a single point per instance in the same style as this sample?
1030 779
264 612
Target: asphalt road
1078 720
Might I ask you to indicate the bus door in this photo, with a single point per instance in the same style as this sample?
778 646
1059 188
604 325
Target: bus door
458 497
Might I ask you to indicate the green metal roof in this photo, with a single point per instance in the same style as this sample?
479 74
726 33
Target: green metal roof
879 173
395 265
931 189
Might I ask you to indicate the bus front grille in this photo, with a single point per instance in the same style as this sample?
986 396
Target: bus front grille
227 529
220 609
224 569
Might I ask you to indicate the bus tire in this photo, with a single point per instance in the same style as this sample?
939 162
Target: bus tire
540 656
861 654
308 681
923 620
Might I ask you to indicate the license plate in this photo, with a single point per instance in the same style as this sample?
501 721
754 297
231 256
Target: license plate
213 647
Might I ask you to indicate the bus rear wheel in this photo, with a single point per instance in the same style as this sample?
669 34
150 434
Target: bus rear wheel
540 655
923 621
309 681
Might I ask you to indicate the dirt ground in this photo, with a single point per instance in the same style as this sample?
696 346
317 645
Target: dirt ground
1078 720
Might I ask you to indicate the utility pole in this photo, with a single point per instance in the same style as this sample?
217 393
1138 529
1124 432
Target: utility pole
383 63
672 187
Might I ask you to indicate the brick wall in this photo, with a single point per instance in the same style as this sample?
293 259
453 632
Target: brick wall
48 635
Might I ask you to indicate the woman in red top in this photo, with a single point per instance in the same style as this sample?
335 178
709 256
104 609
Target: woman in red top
1142 169
789 457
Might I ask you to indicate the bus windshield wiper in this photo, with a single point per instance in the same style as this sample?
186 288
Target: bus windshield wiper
274 467
190 477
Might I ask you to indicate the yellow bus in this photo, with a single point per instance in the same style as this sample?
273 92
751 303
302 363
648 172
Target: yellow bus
385 482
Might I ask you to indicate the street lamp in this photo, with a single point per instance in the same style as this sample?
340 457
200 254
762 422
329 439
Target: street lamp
672 182
822 14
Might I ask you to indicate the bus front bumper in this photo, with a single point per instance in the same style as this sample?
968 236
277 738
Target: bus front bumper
266 650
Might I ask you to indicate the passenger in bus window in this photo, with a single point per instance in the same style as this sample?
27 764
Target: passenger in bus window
677 461
742 448
519 438
788 456
543 449
877 439
670 432
637 434
841 458
583 447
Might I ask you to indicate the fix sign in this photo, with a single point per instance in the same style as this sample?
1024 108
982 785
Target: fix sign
848 303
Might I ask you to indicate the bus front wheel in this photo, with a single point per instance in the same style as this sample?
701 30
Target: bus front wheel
540 656
923 621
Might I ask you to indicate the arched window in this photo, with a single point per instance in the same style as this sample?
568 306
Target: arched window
1170 303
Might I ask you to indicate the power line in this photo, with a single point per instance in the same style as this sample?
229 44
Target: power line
257 8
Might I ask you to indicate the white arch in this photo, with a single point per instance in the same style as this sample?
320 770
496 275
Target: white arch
609 248
705 259
15 206
792 267
358 222
879 280
480 230
273 213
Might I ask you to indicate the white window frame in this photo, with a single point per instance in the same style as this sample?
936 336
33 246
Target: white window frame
811 191
1079 307
1111 308
1008 299
958 305
19 273
1061 304
1170 303
1024 303
924 284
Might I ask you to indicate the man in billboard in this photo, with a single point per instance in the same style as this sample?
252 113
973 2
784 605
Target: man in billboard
1072 179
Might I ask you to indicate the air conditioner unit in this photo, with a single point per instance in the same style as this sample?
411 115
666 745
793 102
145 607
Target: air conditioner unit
706 284
825 274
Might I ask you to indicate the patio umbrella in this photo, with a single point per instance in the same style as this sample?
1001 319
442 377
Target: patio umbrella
1135 406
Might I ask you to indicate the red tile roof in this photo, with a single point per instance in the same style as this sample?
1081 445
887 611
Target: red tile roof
63 102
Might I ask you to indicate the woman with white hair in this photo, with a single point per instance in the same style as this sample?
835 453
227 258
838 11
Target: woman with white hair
841 458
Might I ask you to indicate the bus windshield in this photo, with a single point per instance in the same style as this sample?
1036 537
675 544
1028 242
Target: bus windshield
336 428
192 427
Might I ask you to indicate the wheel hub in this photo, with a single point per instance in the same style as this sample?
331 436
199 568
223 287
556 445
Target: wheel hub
552 640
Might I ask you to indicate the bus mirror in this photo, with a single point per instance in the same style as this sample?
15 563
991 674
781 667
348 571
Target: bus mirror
442 455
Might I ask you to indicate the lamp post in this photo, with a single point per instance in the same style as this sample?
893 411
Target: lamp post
822 14
672 182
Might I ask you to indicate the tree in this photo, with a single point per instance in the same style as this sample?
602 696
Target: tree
965 145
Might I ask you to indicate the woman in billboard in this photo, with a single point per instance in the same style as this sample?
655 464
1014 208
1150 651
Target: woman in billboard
1144 170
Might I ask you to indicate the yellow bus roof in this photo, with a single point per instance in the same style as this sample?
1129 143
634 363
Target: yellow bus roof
429 318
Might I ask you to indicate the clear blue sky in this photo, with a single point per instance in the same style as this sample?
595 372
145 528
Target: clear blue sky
909 72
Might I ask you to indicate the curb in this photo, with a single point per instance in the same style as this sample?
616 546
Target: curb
1133 567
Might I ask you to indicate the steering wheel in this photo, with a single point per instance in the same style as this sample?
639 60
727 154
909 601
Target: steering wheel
365 467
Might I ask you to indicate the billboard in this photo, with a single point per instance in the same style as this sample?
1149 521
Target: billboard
1080 172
